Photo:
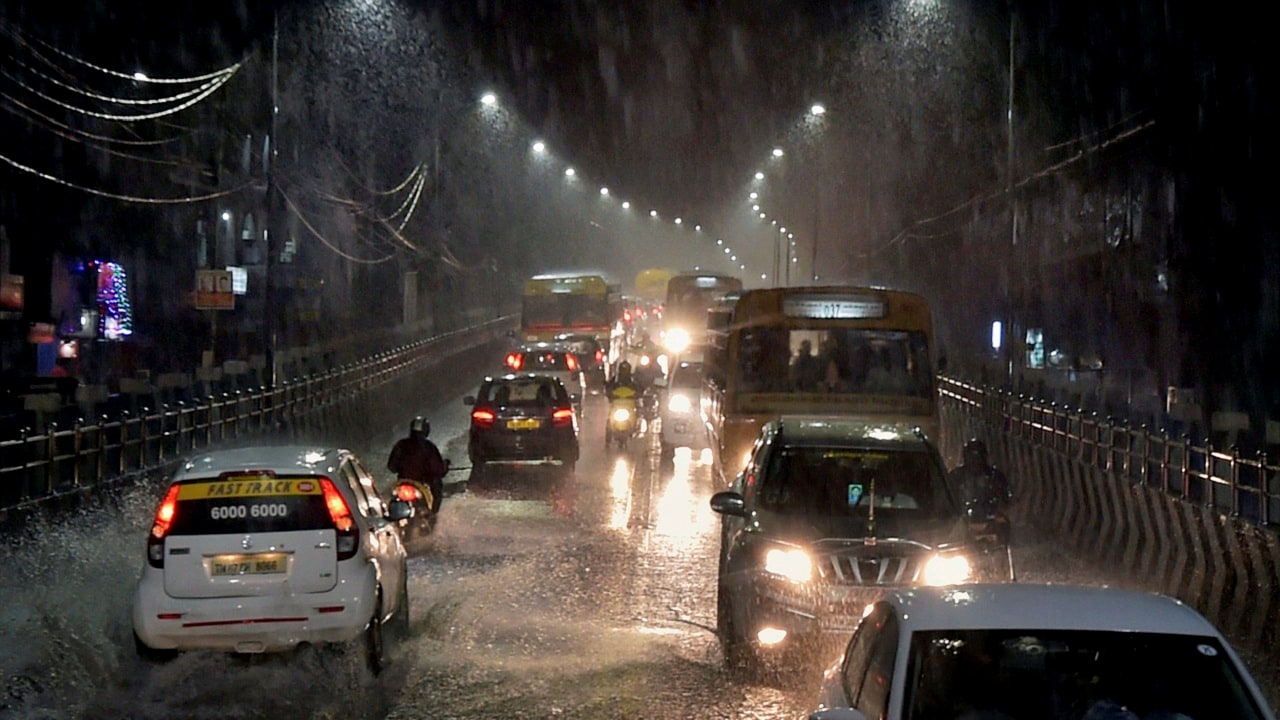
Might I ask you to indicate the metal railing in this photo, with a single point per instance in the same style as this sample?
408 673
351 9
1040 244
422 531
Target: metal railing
59 461
1246 487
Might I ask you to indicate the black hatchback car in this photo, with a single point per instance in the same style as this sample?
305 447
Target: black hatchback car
525 419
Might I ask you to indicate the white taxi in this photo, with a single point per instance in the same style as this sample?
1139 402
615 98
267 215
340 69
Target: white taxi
1019 650
261 549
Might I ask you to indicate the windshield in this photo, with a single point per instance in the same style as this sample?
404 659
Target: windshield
842 482
565 310
839 361
1068 675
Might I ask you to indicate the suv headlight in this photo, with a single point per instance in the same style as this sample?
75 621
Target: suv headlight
679 403
793 564
946 570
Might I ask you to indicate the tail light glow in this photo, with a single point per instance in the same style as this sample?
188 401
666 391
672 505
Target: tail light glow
165 514
408 493
571 362
340 513
515 360
562 417
482 418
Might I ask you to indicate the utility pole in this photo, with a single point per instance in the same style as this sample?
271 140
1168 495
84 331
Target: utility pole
272 216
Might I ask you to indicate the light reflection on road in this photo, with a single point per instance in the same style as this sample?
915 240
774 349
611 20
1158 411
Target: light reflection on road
620 494
678 515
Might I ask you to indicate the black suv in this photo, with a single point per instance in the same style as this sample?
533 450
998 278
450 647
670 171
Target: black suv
527 419
827 513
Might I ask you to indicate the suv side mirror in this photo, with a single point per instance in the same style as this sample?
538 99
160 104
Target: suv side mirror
469 400
728 502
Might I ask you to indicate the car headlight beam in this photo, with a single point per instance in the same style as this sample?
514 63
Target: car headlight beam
946 570
791 563
679 403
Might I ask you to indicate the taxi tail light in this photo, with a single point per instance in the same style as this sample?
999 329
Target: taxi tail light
343 522
482 418
562 417
515 360
165 513
571 362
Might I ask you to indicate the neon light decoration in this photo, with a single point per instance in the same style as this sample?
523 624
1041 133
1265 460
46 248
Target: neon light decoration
115 314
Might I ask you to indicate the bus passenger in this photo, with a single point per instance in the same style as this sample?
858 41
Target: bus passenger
806 369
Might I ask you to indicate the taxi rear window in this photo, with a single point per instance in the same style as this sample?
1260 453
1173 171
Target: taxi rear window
250 504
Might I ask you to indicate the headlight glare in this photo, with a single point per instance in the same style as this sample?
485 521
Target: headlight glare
679 403
791 563
621 415
677 340
946 570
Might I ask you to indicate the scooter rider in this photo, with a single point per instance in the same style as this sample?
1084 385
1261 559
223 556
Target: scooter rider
417 459
622 378
981 486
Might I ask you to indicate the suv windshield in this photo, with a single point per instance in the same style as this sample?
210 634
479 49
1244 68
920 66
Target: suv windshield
849 482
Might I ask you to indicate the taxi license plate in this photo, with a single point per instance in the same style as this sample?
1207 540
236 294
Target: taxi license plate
524 424
258 564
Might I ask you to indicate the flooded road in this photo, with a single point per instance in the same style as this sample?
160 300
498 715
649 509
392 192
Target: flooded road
591 596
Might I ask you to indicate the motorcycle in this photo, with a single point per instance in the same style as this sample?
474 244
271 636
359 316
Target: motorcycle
421 521
623 418
992 531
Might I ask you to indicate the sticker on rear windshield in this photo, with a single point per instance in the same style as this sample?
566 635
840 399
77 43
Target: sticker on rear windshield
854 494
258 487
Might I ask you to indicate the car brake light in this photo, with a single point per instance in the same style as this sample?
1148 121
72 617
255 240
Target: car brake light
571 362
343 522
164 520
600 356
515 360
562 417
626 316
482 418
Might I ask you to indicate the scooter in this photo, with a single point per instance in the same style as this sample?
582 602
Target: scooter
422 521
623 420
992 532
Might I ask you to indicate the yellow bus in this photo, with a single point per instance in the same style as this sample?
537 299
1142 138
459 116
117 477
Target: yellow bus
690 295
834 350
568 304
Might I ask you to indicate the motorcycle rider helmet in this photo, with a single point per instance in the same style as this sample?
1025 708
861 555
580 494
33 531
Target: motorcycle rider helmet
974 452
420 424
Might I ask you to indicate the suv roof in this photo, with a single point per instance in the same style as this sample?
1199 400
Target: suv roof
822 430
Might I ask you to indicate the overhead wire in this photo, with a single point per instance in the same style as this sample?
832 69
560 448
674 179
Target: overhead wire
211 88
125 198
1025 181
325 241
